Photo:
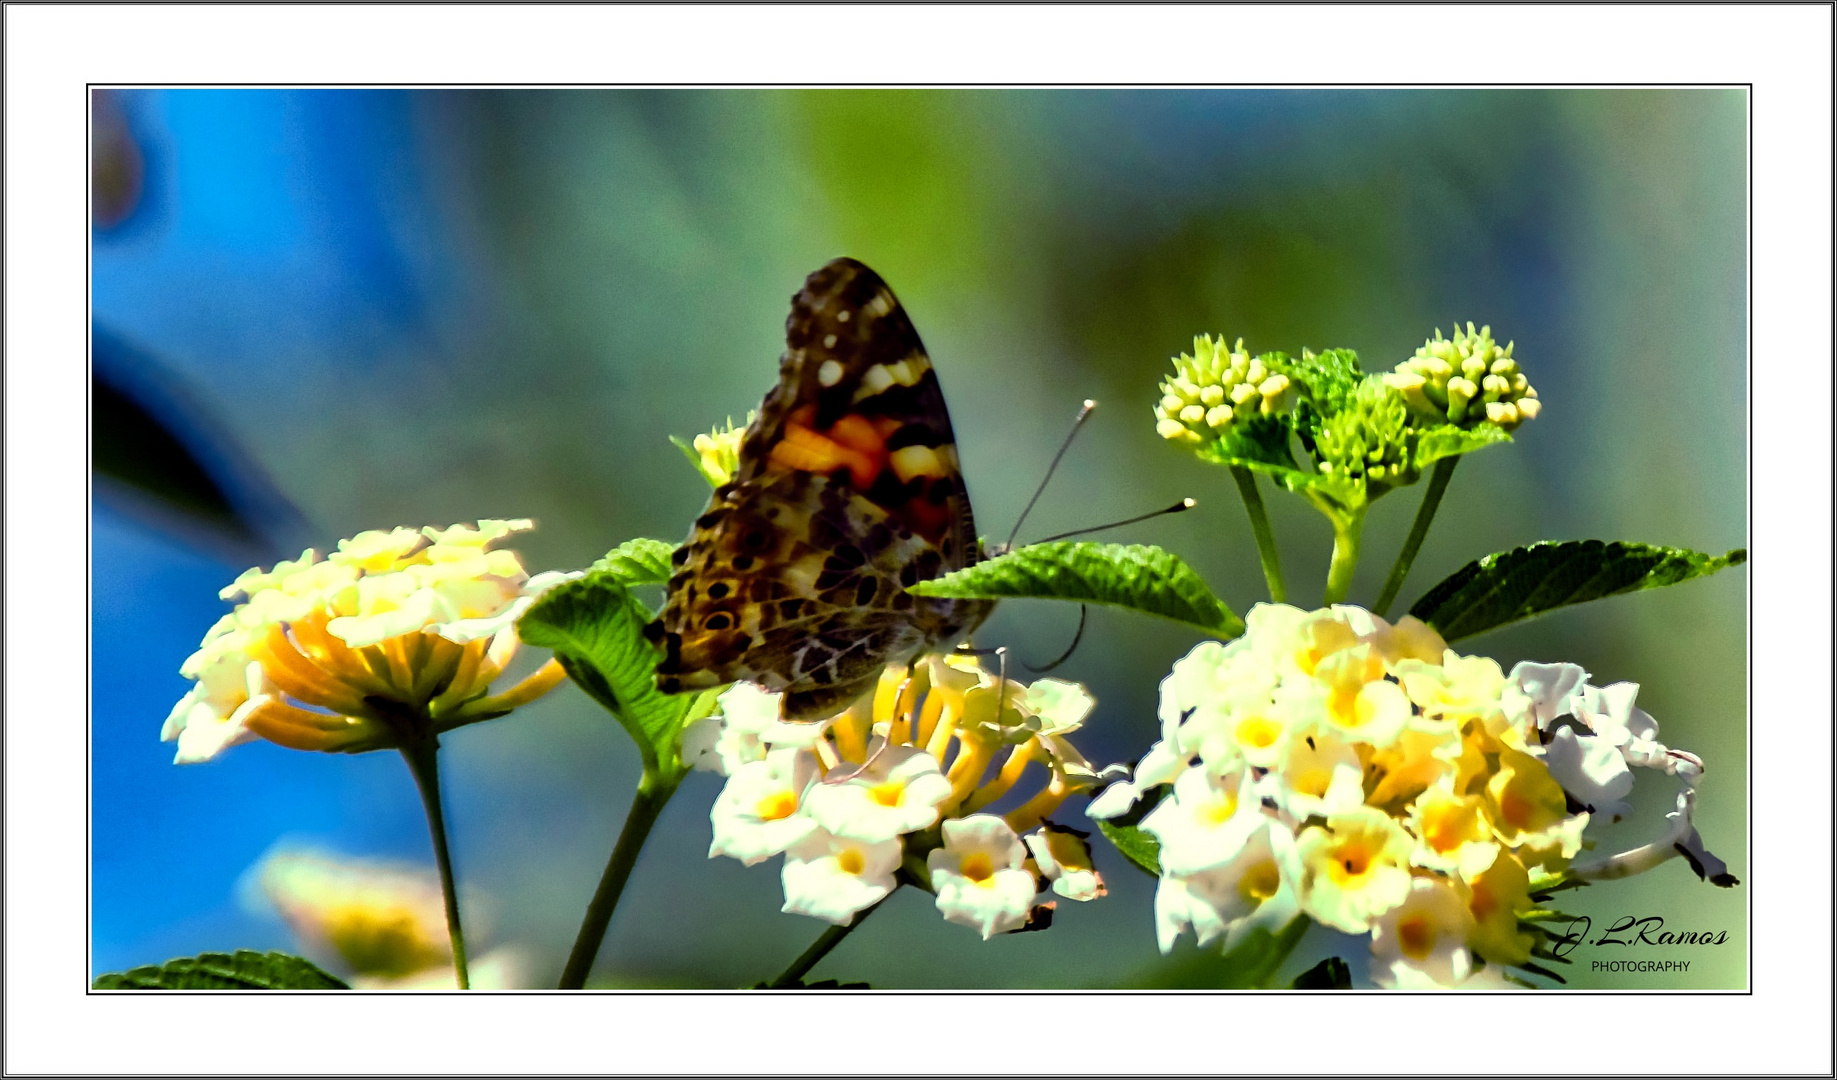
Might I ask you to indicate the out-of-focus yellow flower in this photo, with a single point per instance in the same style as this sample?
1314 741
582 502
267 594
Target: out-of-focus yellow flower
382 921
716 455
396 636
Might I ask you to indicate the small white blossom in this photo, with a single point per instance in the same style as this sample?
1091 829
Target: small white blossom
1064 857
1422 942
978 875
756 815
898 791
829 877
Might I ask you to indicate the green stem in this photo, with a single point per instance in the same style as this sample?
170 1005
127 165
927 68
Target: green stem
654 791
422 757
793 976
1259 524
1285 943
1347 528
1431 500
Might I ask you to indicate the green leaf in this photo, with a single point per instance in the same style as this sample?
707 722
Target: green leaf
1329 379
241 970
1508 586
1330 974
1259 443
1137 845
1447 440
638 562
596 629
1136 576
695 459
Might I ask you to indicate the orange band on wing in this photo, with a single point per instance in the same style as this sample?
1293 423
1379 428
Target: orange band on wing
806 450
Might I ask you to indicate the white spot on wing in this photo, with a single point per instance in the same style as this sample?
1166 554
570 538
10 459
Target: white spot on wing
831 372
829 341
876 379
842 316
879 305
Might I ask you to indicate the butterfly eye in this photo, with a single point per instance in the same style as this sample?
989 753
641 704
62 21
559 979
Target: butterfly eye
720 620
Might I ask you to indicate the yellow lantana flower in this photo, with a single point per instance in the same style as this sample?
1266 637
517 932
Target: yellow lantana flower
394 637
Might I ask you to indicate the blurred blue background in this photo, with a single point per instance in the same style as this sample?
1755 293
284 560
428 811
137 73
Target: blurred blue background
318 312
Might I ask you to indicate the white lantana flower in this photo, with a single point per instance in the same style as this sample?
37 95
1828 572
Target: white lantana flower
1064 858
1354 868
755 817
1205 821
978 875
898 791
1320 775
746 725
1376 781
1255 889
832 878
1422 942
861 802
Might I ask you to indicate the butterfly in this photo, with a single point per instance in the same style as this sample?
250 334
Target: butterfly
848 490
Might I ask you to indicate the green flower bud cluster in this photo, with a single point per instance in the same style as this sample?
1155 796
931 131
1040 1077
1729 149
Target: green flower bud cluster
1215 387
1371 440
1466 380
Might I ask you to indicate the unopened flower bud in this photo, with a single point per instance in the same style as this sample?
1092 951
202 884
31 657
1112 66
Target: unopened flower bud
1446 375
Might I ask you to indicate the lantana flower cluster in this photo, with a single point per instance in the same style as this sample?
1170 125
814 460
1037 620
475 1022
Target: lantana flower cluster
900 789
398 633
1216 386
1328 764
1464 380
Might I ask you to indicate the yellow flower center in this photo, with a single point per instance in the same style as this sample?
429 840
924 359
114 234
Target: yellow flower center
1260 882
1351 862
1312 782
1258 733
779 804
1444 830
1344 705
380 941
887 793
1220 809
1514 809
1484 903
1416 936
979 868
849 861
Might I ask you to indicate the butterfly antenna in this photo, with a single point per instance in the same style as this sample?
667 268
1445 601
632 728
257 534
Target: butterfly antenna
1083 413
1001 683
1179 507
1083 610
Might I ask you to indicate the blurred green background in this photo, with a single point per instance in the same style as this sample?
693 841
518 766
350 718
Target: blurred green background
319 312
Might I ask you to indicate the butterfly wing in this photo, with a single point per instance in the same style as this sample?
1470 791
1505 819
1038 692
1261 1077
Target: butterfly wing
847 491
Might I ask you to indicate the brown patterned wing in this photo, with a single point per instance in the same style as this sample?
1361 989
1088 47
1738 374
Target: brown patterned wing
848 490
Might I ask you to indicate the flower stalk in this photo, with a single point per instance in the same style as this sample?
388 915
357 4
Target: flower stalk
654 791
1259 525
793 977
422 757
1431 501
1348 528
